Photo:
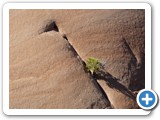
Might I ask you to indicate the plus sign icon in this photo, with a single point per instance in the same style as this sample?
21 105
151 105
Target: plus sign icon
147 99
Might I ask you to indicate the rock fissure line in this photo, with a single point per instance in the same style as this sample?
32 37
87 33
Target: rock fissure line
94 80
112 83
53 27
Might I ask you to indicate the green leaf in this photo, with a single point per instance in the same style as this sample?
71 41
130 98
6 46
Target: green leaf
93 65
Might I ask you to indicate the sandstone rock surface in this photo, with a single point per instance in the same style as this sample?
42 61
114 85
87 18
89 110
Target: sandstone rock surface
48 47
116 37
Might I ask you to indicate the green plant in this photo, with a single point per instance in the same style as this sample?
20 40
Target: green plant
93 65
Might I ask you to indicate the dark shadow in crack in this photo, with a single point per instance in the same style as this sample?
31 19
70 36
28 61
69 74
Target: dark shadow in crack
71 48
51 26
99 88
65 37
101 92
113 83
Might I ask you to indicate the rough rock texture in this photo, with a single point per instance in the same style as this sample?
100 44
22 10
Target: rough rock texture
45 73
48 47
125 100
116 37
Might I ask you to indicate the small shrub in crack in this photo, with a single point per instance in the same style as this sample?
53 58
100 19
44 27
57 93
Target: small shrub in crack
93 65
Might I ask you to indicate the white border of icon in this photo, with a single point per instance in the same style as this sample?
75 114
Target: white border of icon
147 108
8 6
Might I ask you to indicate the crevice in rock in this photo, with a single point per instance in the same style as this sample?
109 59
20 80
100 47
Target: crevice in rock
113 83
51 26
137 79
94 81
65 37
102 93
